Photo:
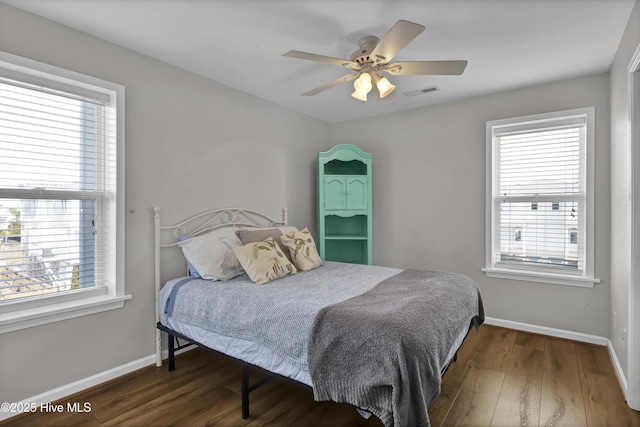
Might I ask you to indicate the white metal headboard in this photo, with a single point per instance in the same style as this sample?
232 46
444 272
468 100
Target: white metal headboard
166 236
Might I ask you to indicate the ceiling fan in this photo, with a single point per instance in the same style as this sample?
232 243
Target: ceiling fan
373 58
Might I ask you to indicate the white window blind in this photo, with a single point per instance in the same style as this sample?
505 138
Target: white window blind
57 188
539 195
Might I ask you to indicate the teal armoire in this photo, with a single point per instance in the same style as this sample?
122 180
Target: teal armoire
344 205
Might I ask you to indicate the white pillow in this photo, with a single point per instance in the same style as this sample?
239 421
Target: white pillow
211 254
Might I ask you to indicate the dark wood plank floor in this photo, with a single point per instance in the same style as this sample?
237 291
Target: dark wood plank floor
502 378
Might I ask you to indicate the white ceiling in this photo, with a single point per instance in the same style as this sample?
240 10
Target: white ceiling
508 43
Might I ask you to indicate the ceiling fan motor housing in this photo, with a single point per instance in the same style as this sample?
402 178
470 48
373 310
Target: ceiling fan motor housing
362 56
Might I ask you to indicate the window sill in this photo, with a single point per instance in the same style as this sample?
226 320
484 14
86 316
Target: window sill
542 277
35 316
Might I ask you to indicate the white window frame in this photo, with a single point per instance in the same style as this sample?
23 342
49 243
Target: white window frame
587 278
70 304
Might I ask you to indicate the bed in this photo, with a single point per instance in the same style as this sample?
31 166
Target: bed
378 338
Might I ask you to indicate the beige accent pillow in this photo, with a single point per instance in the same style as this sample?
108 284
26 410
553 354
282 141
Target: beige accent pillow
302 249
211 254
250 235
264 261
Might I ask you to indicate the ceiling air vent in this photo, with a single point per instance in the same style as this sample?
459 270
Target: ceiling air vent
421 91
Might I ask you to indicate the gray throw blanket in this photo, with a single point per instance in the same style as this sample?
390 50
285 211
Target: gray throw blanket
383 351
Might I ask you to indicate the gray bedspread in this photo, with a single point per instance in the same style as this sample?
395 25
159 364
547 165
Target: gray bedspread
277 315
383 351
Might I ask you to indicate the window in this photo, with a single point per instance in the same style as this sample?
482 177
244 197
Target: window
539 182
61 196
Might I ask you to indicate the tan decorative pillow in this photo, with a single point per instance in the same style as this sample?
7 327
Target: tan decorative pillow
302 249
250 235
264 261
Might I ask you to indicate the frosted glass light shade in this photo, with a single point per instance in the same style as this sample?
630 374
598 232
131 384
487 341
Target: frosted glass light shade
362 86
384 87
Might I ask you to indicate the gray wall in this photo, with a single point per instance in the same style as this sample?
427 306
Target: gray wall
429 197
191 144
620 190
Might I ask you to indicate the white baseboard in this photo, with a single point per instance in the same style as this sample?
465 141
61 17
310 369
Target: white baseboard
618 369
575 336
543 330
85 383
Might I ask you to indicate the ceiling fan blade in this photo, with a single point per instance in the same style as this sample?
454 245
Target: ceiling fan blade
396 39
407 68
331 84
321 58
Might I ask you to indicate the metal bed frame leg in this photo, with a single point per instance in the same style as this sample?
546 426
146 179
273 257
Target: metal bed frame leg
173 344
172 353
245 390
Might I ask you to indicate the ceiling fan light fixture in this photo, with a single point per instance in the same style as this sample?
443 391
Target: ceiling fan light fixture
374 56
362 87
384 86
